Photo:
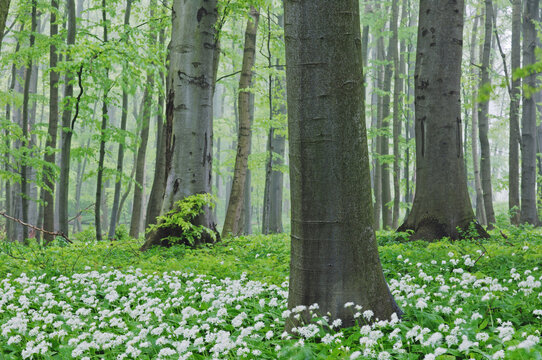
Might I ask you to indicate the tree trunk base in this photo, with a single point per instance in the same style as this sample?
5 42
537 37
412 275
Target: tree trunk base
160 237
431 229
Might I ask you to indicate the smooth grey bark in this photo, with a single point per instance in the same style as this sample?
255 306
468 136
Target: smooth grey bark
441 203
47 192
528 131
81 169
377 101
189 108
480 208
515 96
235 203
334 255
120 153
101 156
25 173
398 71
67 132
483 120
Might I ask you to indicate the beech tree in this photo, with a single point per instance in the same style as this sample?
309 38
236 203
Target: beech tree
334 256
189 107
441 203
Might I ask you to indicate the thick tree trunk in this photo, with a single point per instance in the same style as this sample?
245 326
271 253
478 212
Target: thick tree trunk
398 66
480 208
190 110
120 154
67 132
528 133
47 193
441 203
515 94
4 10
235 204
377 101
483 119
334 252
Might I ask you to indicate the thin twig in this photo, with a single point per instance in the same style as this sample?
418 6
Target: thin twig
53 233
80 212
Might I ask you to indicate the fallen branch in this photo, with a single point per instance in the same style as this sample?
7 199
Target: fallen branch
80 212
53 233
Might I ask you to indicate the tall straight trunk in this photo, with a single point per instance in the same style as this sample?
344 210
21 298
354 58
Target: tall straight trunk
513 145
120 154
67 130
480 209
137 204
25 127
528 132
334 252
189 108
160 173
235 204
483 121
385 143
398 66
441 203
47 193
101 157
377 100
81 169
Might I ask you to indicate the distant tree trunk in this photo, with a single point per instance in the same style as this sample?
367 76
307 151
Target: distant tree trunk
384 145
483 121
47 193
189 108
513 147
101 158
272 203
398 66
377 100
77 226
480 208
120 154
4 10
528 133
67 132
334 252
235 204
441 203
25 127
160 170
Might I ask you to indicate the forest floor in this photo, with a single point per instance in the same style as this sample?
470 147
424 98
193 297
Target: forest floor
462 300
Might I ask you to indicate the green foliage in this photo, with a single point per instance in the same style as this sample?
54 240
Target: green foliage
182 217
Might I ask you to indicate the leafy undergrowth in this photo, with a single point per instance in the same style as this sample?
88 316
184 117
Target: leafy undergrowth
462 300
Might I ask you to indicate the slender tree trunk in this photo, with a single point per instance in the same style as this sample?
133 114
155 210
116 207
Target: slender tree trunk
101 158
78 187
513 149
47 193
25 129
483 121
189 108
384 146
120 154
528 133
334 252
235 204
67 132
4 10
398 67
378 151
441 203
480 208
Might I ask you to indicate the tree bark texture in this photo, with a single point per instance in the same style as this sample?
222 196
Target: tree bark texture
483 118
377 101
441 203
67 132
528 132
398 70
235 203
4 10
515 96
189 108
334 255
47 193
385 143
